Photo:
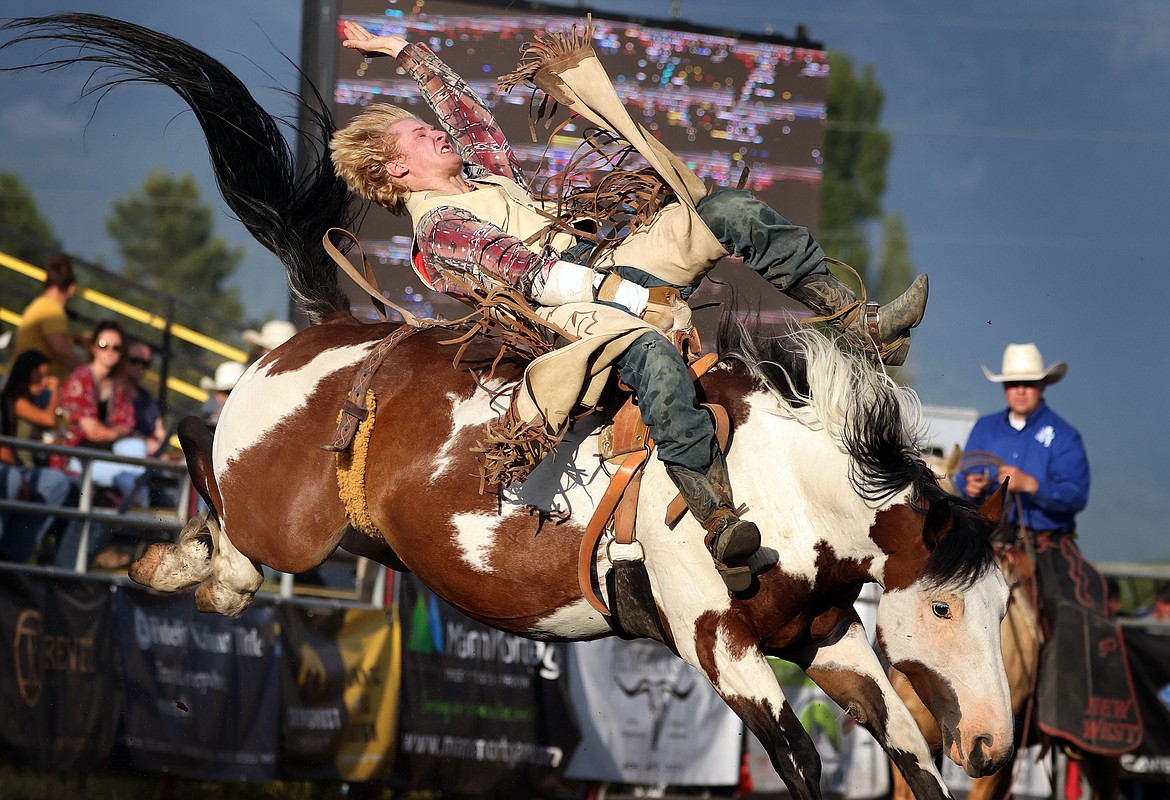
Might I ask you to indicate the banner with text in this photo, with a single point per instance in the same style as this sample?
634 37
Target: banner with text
483 712
1148 652
59 693
202 690
649 717
341 674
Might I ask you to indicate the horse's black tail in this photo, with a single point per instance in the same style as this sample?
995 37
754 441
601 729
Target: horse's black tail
253 163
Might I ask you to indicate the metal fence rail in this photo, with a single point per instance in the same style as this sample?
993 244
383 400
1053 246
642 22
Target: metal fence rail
370 577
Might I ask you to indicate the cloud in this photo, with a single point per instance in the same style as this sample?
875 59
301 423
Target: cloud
36 120
1140 34
959 179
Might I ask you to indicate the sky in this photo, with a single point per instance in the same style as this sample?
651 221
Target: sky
1031 166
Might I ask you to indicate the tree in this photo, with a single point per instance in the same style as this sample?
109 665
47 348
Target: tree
856 151
164 235
26 234
895 269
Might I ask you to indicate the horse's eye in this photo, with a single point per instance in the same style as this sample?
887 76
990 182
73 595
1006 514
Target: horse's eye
941 610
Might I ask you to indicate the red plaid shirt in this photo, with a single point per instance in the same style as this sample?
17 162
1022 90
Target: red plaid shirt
452 239
79 396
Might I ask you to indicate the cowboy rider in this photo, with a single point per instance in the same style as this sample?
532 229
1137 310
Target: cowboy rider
449 182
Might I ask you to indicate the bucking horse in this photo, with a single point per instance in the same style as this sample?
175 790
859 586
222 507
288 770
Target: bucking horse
822 447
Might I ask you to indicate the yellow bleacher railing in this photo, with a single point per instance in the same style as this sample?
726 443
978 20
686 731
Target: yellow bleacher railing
138 315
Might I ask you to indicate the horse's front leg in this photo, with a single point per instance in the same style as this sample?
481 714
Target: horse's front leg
848 671
744 679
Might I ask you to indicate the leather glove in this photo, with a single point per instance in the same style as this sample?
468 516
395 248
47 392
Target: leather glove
667 311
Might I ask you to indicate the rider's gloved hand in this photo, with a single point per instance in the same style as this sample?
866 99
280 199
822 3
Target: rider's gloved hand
667 311
573 283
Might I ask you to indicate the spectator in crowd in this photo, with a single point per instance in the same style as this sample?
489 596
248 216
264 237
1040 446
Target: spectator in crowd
99 405
1159 611
227 375
272 334
148 422
101 412
44 325
21 534
150 435
30 403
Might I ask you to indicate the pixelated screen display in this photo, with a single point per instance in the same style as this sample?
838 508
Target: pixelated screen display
719 102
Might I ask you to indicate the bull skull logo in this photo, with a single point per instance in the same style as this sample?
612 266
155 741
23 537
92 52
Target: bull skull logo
646 668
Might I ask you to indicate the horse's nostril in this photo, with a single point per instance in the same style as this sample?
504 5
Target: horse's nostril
986 741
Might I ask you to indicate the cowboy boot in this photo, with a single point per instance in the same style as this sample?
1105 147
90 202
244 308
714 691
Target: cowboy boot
883 331
730 540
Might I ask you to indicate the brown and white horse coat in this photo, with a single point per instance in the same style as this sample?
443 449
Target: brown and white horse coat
822 454
809 465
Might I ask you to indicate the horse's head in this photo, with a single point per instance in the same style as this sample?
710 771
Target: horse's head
875 502
939 619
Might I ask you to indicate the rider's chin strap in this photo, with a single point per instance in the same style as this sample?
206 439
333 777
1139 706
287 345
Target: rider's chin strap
367 282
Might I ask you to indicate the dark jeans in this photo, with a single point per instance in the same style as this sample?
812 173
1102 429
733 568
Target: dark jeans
655 371
781 253
21 534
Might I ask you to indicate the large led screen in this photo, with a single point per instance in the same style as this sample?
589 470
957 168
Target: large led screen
720 101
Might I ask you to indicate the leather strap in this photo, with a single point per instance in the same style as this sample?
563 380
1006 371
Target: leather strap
354 412
625 474
368 283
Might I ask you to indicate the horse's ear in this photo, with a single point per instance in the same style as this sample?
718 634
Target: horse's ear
937 523
992 507
951 465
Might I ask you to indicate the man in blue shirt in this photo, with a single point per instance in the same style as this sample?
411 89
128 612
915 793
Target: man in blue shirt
1042 455
1044 459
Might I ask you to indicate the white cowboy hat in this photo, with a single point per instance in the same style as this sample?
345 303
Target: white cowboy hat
227 375
272 334
1023 362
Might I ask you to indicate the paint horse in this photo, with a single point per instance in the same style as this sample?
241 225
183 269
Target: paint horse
821 450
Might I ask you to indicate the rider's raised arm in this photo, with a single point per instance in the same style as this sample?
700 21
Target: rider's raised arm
462 113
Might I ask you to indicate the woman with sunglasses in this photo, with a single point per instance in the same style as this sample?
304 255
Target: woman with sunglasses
101 411
100 407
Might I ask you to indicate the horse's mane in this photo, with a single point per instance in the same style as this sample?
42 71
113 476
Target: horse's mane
818 384
873 419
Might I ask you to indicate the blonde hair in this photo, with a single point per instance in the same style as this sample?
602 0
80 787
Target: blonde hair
360 150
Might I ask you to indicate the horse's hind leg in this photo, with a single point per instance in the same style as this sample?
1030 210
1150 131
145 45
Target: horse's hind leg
227 579
234 578
170 566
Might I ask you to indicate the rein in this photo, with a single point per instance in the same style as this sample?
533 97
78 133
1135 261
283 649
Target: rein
1027 585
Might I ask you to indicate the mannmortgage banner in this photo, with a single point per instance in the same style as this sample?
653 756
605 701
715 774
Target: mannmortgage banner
202 691
59 693
649 717
342 669
483 712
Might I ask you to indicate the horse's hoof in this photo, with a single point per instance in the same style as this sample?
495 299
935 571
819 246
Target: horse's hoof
216 598
143 570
